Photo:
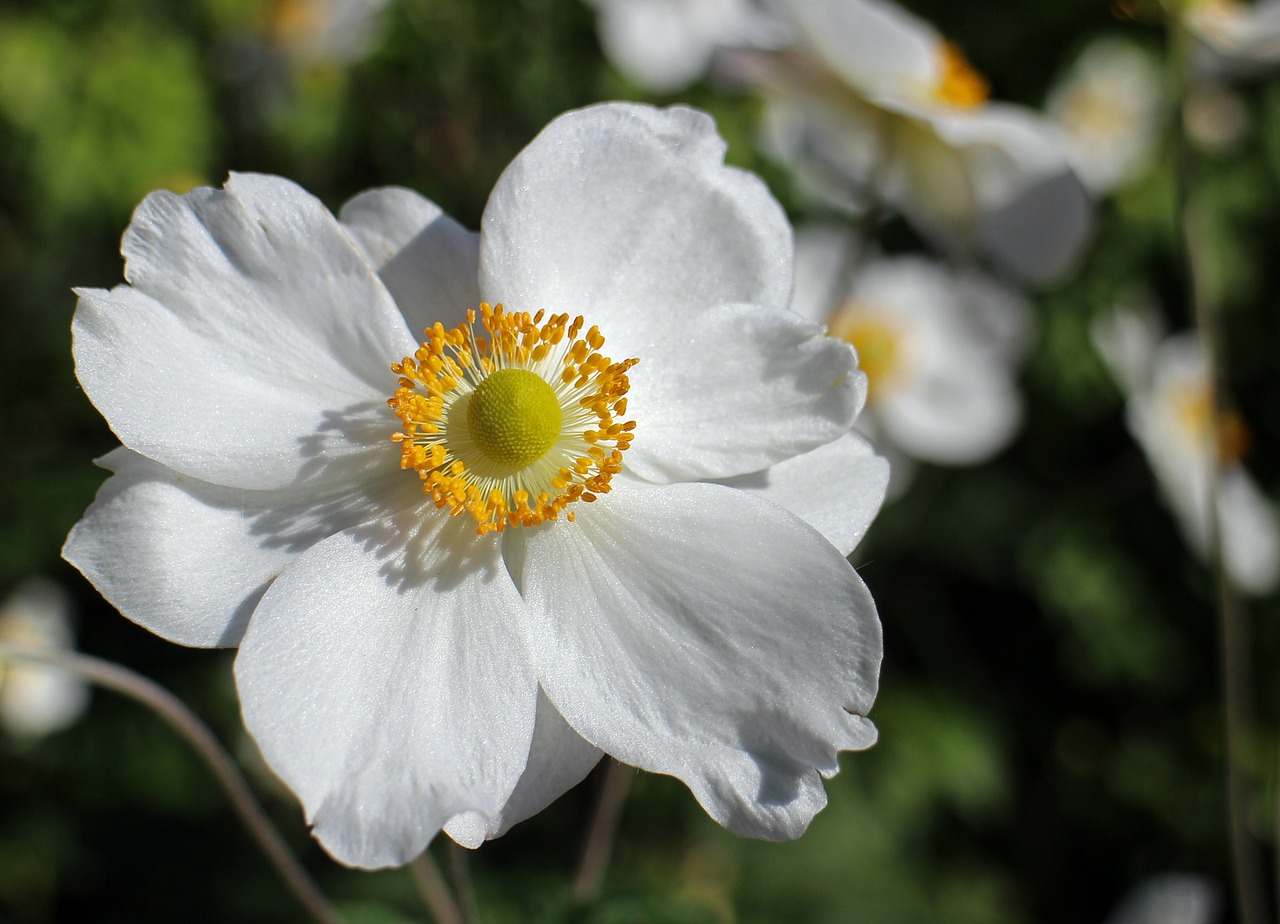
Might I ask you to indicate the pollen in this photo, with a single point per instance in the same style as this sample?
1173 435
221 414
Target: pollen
513 425
959 85
1227 434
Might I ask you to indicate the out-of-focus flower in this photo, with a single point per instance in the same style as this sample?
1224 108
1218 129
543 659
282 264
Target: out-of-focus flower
35 699
665 45
1235 32
604 550
1214 116
939 347
875 98
323 31
1170 414
1108 107
1170 898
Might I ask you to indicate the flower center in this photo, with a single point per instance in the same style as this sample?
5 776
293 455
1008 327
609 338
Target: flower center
1228 435
515 426
959 85
514 417
879 341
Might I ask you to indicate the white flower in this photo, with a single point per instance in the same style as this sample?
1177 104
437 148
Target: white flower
401 672
665 45
1235 33
1169 898
34 699
316 31
1171 417
939 346
1108 107
884 101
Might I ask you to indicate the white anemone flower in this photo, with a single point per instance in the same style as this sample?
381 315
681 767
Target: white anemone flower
36 699
665 45
448 608
1171 416
1109 107
940 347
1237 34
883 101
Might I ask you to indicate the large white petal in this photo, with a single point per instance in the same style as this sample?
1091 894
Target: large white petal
628 215
254 341
426 260
189 560
875 46
386 678
837 488
559 759
699 631
736 390
1250 535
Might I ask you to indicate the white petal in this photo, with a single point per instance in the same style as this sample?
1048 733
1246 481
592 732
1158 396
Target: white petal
837 488
738 389
189 560
701 632
875 46
426 260
961 414
1250 541
559 759
656 43
628 215
254 342
824 256
386 678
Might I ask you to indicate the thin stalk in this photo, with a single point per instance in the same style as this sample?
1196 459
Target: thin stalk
1234 630
460 873
185 722
603 833
434 891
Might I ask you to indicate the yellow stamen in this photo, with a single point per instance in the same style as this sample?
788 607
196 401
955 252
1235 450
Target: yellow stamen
514 426
959 85
1228 435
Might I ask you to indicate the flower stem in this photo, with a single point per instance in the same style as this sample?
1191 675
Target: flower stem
185 722
434 891
460 874
1234 634
603 832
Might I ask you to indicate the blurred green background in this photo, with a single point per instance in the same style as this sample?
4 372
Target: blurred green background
1049 707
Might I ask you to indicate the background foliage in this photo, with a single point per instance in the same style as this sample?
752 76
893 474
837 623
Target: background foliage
1049 707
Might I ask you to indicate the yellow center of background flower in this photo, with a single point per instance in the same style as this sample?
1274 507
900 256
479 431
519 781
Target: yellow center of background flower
878 340
959 85
515 426
1228 435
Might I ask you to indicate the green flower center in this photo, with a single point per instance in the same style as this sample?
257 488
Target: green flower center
514 417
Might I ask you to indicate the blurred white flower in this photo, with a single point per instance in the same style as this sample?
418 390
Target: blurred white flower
1171 416
875 98
604 550
939 347
1214 116
1170 898
1109 107
1236 33
35 699
665 45
320 31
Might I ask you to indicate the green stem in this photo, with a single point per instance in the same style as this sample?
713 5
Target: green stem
185 722
603 833
1234 637
434 891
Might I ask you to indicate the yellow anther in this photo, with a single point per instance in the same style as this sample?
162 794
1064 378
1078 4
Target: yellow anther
959 85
